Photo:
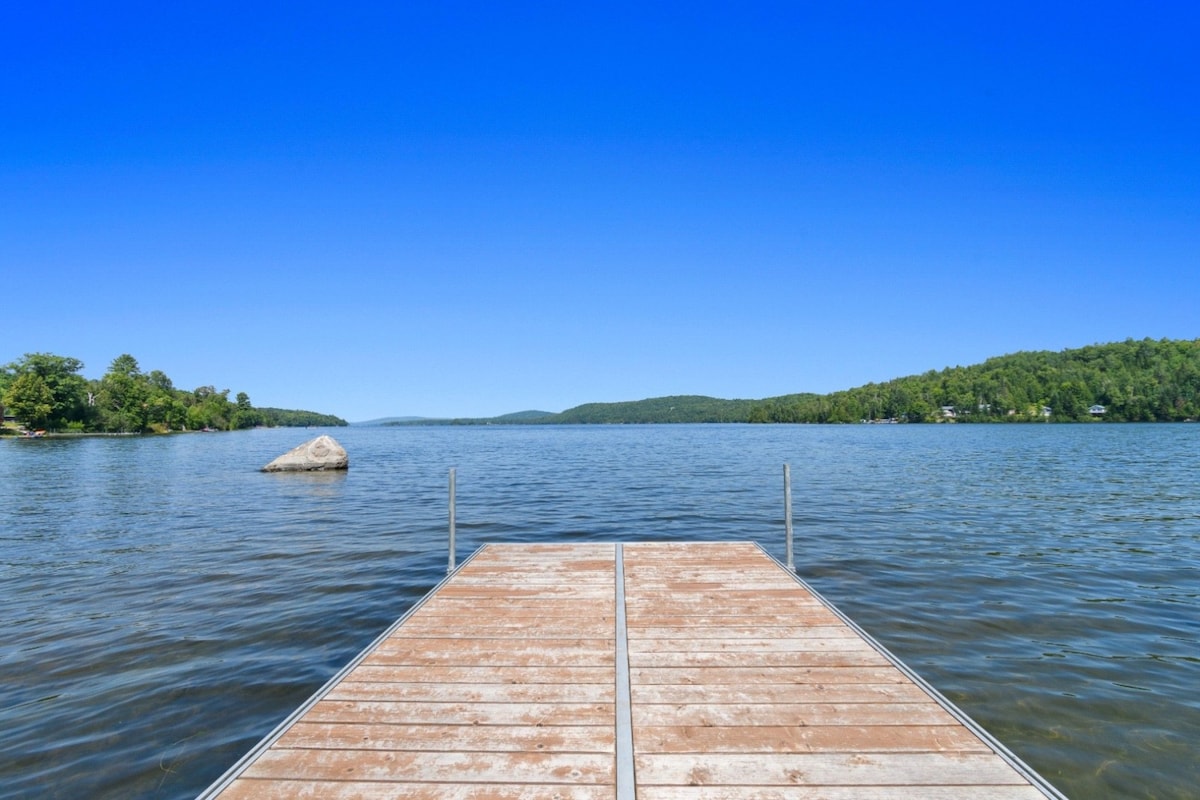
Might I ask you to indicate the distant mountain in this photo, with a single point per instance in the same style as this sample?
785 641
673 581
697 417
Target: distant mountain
515 418
676 408
523 416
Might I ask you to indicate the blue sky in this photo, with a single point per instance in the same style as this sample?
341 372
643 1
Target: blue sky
461 209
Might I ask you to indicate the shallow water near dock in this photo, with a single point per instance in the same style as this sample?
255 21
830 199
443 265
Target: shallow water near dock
164 605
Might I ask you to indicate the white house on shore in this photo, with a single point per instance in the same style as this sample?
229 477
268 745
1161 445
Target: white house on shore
1097 410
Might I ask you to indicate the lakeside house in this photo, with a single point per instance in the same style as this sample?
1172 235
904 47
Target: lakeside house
1097 410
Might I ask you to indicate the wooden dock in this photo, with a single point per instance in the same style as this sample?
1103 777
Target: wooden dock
661 671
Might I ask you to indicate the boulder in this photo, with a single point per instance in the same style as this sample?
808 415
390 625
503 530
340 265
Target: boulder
322 453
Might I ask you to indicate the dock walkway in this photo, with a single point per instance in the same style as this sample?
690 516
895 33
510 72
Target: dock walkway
662 671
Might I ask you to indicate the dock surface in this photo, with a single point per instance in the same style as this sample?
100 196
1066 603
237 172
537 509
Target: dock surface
663 671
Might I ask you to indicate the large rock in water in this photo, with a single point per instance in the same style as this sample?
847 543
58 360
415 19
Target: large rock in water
322 453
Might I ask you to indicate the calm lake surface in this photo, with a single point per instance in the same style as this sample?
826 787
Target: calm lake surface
163 605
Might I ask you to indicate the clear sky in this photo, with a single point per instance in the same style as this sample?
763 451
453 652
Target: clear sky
469 209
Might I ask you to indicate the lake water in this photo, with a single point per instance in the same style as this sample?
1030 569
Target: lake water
163 604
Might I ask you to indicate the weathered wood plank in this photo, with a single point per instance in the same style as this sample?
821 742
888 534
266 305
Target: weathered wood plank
547 633
462 713
506 628
450 738
827 769
698 633
743 675
501 551
779 693
788 658
787 714
436 661
1025 792
487 674
822 640
566 645
752 599
706 619
509 611
490 591
535 562
501 611
477 693
451 768
290 789
548 652
811 739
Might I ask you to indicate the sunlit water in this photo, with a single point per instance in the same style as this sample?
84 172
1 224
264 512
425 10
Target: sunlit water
163 604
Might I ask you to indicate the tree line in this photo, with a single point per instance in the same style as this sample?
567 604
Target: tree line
1132 381
46 391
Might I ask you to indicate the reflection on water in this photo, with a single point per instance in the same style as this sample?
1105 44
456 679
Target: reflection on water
165 604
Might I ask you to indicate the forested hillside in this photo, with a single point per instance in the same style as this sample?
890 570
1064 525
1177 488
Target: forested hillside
1147 380
43 390
292 418
1131 381
680 408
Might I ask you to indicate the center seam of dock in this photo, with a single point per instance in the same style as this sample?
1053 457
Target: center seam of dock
626 783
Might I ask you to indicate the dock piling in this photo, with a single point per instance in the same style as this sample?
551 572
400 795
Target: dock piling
787 513
450 568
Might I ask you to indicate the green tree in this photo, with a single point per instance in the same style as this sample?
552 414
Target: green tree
125 395
245 415
29 399
60 376
210 409
1071 400
167 409
165 405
